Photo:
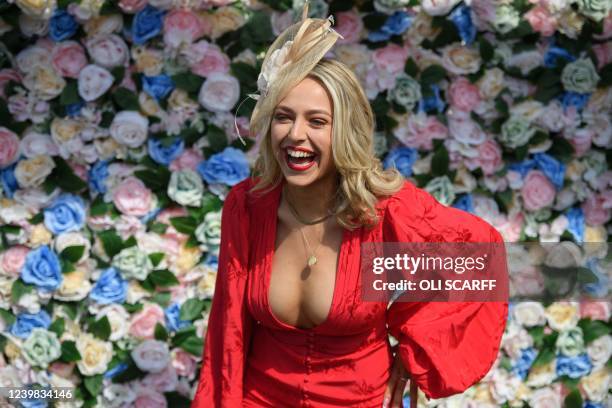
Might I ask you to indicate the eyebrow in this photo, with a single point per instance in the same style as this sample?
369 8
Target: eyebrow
309 112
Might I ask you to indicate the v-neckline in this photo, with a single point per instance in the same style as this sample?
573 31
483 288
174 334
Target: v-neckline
268 269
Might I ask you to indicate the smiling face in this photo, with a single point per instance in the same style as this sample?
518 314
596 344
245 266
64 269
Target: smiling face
301 134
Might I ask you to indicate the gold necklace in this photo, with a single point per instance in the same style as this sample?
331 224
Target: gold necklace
299 217
312 259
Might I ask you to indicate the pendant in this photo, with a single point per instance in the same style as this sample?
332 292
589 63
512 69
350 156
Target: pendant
312 260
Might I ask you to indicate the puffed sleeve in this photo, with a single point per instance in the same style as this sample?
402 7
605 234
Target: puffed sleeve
445 346
230 324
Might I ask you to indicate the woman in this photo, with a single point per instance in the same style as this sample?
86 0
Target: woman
288 326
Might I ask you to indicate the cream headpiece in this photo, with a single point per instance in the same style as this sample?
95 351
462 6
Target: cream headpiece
289 59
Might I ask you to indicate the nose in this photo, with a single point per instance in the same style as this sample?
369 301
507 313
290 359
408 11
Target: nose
298 130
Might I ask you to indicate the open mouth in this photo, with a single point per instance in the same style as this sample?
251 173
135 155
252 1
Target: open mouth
298 159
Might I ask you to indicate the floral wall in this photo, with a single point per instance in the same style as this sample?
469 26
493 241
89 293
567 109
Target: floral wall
118 146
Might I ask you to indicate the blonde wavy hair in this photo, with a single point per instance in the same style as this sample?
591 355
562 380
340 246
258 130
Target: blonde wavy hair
362 178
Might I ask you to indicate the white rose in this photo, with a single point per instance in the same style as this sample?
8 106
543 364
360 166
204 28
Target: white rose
129 128
34 144
219 93
75 286
109 51
9 377
186 188
562 315
35 198
515 339
151 356
94 81
529 314
596 385
33 57
504 386
541 376
95 354
44 81
118 395
546 398
69 239
491 83
461 60
601 125
31 26
33 172
118 319
600 351
437 7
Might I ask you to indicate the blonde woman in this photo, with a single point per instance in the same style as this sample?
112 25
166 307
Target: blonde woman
288 327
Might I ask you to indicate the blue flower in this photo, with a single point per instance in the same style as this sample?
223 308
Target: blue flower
150 215
465 202
523 364
74 109
553 168
554 53
97 175
173 321
33 403
577 100
147 24
402 158
66 213
462 18
117 369
592 404
164 154
62 25
110 288
212 261
523 167
228 167
8 180
597 289
395 24
42 268
25 322
433 102
573 367
158 86
575 217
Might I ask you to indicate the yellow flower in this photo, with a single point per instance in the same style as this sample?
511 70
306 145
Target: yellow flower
37 8
570 23
64 130
45 81
109 147
482 394
187 259
103 25
562 315
40 235
461 60
95 354
491 83
223 20
33 172
179 99
75 286
596 384
148 105
149 62
12 350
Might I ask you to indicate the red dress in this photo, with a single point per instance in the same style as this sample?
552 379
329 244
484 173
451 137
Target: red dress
252 359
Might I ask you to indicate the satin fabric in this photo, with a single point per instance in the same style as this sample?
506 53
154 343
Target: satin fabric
252 359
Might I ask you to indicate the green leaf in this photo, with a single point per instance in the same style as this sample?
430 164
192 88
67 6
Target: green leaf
69 352
245 73
7 316
593 329
186 225
160 332
99 207
193 345
130 242
216 138
133 308
57 327
183 334
156 180
158 227
101 328
191 309
19 289
439 162
112 243
163 278
486 49
162 299
93 384
73 253
544 357
561 149
411 68
70 94
188 82
605 76
63 177
374 21
432 75
257 31
573 400
37 219
126 99
156 258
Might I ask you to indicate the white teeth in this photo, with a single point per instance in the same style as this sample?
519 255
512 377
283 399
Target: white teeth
297 154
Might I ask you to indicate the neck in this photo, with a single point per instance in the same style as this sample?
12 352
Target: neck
314 200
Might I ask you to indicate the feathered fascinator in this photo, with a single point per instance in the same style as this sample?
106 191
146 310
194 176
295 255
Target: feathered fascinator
290 58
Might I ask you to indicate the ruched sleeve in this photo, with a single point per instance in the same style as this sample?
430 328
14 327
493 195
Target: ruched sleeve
445 346
230 324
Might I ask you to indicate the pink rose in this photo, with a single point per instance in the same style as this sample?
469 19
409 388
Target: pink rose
581 140
205 58
184 363
489 157
80 170
603 52
63 370
163 381
511 226
182 27
68 59
463 94
9 147
7 75
391 58
596 310
349 25
13 259
189 159
420 130
219 93
132 6
537 191
148 398
607 28
595 213
527 282
541 20
108 51
132 197
143 323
